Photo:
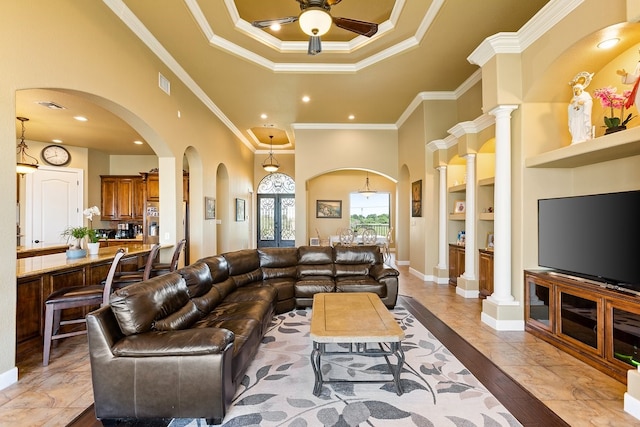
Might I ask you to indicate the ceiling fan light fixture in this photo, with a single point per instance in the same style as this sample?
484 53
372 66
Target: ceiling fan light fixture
25 165
315 21
315 47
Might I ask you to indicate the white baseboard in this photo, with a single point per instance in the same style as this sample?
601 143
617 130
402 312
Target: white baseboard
632 405
502 325
474 293
8 378
418 274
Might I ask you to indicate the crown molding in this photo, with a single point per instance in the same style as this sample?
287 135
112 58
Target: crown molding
552 13
135 25
343 126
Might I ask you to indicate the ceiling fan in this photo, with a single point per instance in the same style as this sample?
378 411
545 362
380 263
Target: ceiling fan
315 20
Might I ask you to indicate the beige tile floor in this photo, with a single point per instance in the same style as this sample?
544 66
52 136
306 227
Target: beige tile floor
581 395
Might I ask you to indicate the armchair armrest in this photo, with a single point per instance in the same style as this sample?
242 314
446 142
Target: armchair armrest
380 271
187 342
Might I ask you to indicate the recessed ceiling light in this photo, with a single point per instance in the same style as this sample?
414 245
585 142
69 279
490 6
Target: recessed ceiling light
263 116
306 99
80 118
351 117
138 142
607 44
57 141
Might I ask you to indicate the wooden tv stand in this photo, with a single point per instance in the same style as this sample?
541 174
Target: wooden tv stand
596 322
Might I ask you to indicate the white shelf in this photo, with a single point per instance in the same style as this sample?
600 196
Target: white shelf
486 216
614 146
458 188
457 217
486 181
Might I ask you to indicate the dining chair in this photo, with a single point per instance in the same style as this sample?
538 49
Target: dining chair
347 236
386 249
369 236
74 297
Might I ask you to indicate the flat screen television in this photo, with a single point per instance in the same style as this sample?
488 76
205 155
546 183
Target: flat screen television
595 237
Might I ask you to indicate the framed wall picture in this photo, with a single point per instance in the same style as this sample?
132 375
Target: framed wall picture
314 241
209 208
490 243
459 207
240 205
328 208
416 198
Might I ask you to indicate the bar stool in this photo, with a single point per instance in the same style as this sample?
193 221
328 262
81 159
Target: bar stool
125 278
72 297
162 268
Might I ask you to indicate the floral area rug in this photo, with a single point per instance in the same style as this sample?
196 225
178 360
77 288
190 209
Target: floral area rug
438 389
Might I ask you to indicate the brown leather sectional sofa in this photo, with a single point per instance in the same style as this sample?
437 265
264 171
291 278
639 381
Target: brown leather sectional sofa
177 345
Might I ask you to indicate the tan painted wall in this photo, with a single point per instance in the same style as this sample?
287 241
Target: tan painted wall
89 50
322 151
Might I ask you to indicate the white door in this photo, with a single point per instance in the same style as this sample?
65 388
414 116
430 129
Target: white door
53 203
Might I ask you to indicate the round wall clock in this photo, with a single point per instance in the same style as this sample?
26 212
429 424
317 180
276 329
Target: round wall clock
56 155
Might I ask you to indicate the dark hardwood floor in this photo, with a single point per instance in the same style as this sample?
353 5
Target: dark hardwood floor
527 409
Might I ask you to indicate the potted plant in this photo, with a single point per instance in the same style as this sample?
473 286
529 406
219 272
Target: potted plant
94 241
610 99
77 233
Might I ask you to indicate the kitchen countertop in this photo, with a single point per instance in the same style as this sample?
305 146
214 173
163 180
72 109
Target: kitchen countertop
37 265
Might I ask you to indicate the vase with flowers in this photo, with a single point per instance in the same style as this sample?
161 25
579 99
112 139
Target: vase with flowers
609 98
78 234
92 235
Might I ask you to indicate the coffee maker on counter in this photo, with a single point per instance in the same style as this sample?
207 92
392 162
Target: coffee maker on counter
128 231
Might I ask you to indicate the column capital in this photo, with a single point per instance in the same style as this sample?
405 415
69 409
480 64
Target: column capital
503 110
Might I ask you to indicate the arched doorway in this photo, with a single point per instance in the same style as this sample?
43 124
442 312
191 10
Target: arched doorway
276 211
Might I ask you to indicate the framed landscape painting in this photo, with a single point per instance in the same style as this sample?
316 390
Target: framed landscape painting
328 208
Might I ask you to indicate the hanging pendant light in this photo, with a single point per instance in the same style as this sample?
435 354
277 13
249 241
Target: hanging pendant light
25 165
270 164
367 191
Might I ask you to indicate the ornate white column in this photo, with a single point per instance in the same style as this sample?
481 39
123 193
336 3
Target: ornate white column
442 218
470 219
502 208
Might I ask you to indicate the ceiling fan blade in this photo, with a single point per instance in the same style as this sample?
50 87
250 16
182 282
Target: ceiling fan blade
332 2
269 22
359 27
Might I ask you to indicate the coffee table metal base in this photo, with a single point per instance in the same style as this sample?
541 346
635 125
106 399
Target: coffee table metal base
361 349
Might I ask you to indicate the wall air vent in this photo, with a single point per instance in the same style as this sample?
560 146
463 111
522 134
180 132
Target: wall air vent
164 84
51 105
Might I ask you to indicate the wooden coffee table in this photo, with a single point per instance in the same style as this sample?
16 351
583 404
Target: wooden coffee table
355 319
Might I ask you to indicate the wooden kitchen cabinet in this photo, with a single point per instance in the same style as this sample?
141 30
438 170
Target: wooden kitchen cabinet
122 198
153 186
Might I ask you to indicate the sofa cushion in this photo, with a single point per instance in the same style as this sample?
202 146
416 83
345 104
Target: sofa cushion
208 301
183 318
361 284
242 261
180 343
282 285
279 272
311 285
136 307
218 266
352 270
315 270
315 255
226 287
278 257
357 255
198 278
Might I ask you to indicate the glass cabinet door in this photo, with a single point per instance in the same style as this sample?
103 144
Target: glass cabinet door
623 322
579 317
539 302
